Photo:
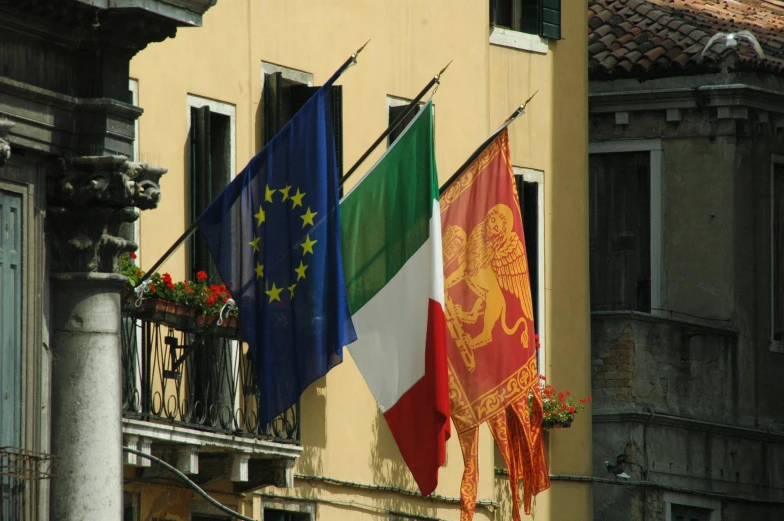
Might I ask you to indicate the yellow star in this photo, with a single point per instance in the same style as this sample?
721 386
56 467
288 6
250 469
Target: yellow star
307 245
259 270
301 271
291 289
274 293
307 217
268 194
255 243
260 217
297 199
285 192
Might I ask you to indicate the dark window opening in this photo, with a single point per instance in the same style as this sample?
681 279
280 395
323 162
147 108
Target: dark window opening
777 238
396 112
283 515
528 194
687 513
209 175
542 17
620 231
282 98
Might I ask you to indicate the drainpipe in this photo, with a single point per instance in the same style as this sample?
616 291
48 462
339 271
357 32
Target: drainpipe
89 198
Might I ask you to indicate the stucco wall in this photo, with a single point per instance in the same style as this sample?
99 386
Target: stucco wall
343 435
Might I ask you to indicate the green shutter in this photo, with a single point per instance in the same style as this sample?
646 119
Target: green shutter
200 182
10 319
550 19
272 102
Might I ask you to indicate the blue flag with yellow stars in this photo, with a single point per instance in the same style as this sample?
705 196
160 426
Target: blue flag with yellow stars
274 233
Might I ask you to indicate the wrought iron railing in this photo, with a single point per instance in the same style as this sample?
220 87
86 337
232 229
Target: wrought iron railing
209 387
21 472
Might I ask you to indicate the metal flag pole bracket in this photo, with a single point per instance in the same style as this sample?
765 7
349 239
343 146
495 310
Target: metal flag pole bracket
391 128
508 121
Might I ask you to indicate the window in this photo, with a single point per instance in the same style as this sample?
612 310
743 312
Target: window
530 191
777 254
620 231
283 515
130 507
211 147
540 17
284 92
688 513
396 108
684 507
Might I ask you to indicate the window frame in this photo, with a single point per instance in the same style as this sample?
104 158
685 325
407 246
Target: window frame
654 148
133 87
523 38
532 175
677 498
303 508
776 346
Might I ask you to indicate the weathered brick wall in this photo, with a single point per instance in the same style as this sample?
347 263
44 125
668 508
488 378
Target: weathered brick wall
613 370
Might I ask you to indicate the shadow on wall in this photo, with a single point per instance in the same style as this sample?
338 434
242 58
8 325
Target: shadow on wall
313 428
389 469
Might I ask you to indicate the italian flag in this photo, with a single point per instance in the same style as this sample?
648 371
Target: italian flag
391 241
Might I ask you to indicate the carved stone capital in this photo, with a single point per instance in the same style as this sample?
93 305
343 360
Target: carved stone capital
5 146
89 198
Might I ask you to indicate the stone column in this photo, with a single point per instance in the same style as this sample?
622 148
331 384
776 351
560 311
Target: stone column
88 200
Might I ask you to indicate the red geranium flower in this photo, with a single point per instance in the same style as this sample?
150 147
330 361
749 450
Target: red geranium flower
166 278
201 276
132 255
152 288
170 285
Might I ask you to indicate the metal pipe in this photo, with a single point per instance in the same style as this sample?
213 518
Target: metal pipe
190 483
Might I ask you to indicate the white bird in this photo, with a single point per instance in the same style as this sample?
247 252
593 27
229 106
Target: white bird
732 41
617 471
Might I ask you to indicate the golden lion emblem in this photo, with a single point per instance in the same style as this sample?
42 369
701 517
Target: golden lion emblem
492 258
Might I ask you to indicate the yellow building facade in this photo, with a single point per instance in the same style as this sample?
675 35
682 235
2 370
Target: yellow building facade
349 466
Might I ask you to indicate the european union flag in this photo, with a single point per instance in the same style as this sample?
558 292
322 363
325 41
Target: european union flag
275 236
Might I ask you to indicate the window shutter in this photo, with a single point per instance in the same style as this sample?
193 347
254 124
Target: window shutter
396 112
550 19
10 321
337 119
302 93
272 100
200 180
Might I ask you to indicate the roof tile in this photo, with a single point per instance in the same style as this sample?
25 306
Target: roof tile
637 36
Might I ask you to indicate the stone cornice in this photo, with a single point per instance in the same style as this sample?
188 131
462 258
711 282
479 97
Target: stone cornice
737 94
682 422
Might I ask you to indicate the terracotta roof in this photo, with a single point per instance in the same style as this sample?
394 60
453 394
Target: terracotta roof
635 38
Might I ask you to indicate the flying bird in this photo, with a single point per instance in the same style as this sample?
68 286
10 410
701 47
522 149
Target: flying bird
616 471
731 41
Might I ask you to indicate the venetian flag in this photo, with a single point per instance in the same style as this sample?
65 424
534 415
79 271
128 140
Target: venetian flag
391 244
491 347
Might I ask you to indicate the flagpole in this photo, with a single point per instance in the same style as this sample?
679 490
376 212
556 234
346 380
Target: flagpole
352 60
518 112
409 109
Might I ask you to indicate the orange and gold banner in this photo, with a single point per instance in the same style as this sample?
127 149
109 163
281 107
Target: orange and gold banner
491 347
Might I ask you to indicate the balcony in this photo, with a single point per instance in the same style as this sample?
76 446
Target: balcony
196 405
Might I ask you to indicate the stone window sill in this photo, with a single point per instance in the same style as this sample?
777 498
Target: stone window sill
517 40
